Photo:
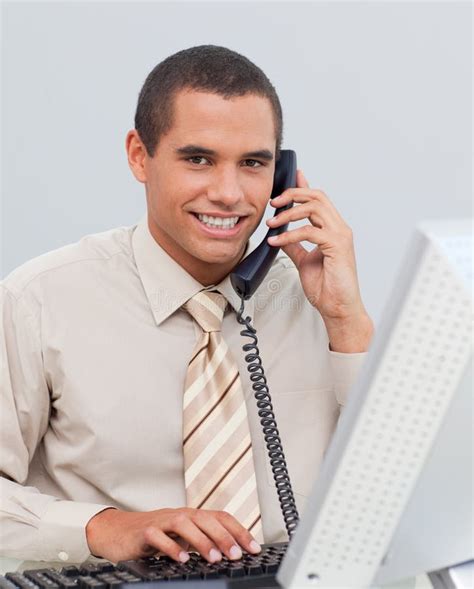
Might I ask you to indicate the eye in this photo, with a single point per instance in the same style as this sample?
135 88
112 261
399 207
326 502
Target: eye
196 157
252 164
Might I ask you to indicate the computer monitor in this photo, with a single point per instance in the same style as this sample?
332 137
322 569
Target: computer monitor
394 495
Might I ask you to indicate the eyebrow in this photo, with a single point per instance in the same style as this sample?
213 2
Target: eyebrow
191 150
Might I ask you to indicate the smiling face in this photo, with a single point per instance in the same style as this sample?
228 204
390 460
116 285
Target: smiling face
214 167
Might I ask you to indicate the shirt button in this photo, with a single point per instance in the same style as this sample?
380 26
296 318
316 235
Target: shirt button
63 556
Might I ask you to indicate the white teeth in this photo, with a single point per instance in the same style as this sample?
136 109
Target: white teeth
226 223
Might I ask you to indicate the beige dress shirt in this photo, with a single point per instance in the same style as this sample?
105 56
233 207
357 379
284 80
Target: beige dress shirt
94 349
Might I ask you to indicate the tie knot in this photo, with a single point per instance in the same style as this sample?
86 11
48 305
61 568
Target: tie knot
207 308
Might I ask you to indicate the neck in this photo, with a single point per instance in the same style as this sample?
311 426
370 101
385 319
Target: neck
205 273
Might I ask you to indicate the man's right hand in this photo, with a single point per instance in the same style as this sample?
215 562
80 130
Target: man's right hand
121 535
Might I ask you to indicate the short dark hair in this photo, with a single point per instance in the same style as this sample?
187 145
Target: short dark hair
209 68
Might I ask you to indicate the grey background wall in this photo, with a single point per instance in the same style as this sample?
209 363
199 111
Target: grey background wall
376 95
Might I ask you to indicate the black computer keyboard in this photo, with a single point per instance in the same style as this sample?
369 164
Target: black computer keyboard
251 571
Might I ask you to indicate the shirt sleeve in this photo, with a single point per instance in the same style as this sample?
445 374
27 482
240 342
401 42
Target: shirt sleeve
345 368
33 525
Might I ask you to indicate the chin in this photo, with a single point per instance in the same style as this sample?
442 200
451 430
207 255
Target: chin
216 255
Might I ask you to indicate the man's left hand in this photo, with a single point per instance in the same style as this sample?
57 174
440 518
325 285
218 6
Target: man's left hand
328 273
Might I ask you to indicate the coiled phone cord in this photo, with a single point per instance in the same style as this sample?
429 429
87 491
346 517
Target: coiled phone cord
269 424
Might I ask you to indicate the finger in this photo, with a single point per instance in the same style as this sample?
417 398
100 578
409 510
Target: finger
304 211
222 538
181 541
325 206
161 542
296 252
302 194
301 180
306 233
182 525
239 532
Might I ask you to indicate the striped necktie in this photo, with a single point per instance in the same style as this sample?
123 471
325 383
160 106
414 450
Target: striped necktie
218 459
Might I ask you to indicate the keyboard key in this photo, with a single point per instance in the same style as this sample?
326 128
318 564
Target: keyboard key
127 577
254 569
6 584
192 575
234 571
20 581
138 568
90 569
110 580
89 582
70 571
40 579
270 567
173 577
106 567
210 574
61 580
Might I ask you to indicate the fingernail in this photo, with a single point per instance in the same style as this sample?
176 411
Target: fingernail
255 546
273 239
214 555
235 552
183 556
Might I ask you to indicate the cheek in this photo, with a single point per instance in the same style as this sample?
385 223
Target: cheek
258 187
161 194
189 185
260 195
174 191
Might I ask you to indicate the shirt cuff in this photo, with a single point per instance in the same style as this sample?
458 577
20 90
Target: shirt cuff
345 369
63 530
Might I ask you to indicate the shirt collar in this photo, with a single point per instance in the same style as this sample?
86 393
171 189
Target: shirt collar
167 285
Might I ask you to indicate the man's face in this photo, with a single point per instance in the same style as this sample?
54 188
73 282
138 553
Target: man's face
218 161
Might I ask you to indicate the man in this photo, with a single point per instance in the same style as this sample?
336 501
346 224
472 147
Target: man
99 339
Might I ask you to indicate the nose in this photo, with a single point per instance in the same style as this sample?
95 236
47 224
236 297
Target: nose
225 187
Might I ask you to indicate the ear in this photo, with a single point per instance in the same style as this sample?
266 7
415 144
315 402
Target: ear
136 153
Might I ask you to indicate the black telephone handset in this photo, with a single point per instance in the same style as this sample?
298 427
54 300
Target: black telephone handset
248 275
245 279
